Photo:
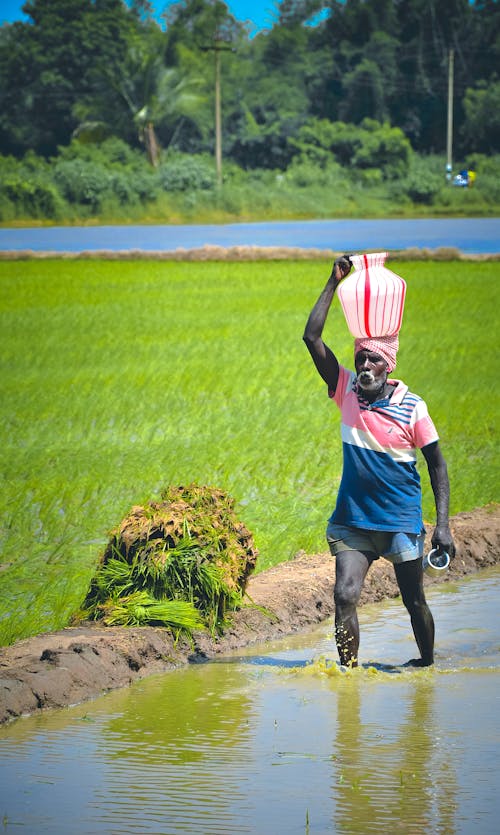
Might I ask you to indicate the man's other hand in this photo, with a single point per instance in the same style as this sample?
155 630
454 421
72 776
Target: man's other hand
443 540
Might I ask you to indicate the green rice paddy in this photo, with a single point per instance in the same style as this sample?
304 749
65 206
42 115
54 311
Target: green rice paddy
120 378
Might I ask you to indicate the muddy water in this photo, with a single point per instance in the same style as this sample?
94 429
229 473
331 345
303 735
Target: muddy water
272 743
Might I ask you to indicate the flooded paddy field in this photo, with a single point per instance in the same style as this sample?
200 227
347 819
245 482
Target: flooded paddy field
278 740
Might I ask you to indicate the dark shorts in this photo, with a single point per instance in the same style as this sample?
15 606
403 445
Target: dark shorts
394 546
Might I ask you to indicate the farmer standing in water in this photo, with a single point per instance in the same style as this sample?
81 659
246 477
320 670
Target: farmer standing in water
378 511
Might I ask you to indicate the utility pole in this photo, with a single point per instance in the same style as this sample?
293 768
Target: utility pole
218 47
218 127
449 132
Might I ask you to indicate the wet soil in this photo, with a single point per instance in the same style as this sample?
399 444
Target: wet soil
79 663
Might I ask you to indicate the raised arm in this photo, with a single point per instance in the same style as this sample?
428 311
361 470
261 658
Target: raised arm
324 359
438 474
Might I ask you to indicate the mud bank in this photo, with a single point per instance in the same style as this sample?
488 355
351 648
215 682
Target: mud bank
213 252
79 663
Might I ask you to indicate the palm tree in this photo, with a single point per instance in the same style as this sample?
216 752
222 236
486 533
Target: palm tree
154 93
141 91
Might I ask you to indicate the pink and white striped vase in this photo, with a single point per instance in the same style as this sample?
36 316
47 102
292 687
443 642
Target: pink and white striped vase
372 297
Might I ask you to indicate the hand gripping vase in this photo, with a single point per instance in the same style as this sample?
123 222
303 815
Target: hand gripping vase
372 297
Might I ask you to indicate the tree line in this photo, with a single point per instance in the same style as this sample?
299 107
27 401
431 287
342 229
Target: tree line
98 68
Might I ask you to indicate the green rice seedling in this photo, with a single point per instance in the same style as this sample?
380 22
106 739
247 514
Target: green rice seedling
187 574
189 546
114 578
181 573
140 608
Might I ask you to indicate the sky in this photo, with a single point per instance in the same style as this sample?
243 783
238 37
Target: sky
259 12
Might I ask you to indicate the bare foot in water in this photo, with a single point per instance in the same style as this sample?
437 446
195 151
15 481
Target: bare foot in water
418 662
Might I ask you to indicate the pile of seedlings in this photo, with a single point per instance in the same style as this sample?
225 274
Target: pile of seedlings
182 561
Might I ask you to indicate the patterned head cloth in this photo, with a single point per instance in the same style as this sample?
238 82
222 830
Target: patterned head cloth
386 346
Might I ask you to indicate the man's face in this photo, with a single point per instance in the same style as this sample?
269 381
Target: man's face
371 370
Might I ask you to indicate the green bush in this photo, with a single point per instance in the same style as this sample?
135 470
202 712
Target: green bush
31 196
487 182
422 189
108 173
144 183
382 147
319 139
113 181
370 176
7 208
302 172
112 151
422 184
82 182
186 172
370 145
26 189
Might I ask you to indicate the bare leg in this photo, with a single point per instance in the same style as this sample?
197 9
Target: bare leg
351 568
410 581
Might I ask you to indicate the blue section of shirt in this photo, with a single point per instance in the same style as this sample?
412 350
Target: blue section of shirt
378 493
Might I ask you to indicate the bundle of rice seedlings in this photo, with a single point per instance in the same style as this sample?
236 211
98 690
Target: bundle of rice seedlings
140 608
189 546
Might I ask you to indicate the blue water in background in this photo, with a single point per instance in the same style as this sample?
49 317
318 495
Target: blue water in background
470 235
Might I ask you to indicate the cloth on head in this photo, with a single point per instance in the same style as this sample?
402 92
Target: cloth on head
386 346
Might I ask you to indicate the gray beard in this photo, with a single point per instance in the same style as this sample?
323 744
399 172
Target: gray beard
367 382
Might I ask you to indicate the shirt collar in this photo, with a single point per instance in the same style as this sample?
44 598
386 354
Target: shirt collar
399 392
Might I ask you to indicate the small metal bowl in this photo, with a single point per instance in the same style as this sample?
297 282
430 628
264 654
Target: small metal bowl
435 562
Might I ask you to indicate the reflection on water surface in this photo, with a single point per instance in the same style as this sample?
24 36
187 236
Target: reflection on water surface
272 743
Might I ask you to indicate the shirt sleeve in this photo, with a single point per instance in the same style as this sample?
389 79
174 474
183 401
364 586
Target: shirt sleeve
424 431
344 383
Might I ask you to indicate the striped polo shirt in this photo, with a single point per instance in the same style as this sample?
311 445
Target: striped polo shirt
380 486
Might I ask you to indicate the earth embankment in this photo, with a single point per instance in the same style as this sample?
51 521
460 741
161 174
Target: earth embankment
79 663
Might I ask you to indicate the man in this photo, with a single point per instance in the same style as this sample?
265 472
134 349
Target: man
378 510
